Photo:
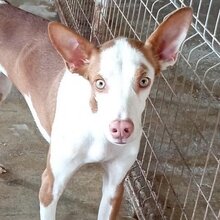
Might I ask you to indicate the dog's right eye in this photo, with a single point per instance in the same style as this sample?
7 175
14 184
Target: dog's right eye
144 82
100 84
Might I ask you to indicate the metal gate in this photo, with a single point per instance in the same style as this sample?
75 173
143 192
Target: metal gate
176 175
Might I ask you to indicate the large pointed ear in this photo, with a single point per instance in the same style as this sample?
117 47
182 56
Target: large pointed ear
168 37
74 49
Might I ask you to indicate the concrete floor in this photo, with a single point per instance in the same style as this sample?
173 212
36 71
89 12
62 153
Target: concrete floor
23 152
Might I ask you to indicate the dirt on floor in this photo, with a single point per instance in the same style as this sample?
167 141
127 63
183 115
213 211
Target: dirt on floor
23 153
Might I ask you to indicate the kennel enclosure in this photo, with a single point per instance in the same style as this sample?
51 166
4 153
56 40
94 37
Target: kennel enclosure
176 175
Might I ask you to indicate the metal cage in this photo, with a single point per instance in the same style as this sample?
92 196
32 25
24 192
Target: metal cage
176 175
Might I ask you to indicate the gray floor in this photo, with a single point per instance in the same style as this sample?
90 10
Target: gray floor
23 152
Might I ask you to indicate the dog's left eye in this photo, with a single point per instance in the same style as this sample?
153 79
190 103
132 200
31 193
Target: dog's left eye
144 82
100 84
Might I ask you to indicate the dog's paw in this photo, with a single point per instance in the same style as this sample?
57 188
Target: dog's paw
2 169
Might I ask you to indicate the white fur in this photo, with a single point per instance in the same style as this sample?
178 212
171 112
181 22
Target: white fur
40 127
2 69
2 2
5 84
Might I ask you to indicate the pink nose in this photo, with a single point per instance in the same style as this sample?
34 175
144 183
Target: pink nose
121 129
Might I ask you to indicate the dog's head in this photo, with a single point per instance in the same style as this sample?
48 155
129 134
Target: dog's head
121 71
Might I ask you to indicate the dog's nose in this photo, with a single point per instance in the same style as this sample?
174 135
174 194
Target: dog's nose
121 129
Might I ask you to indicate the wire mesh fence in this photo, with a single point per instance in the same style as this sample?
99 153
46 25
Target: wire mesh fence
176 175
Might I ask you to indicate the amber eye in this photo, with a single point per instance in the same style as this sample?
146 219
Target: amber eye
144 82
100 84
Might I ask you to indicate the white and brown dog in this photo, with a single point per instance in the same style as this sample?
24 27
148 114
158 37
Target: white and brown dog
86 101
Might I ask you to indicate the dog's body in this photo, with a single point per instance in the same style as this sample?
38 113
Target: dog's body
87 102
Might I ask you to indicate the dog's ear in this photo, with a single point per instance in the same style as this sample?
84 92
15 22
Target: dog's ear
168 37
74 49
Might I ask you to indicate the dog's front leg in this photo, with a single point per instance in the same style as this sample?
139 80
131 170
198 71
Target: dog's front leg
113 187
60 167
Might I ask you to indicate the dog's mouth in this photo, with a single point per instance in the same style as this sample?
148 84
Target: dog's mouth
120 142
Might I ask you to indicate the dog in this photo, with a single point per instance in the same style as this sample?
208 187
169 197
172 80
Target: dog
87 101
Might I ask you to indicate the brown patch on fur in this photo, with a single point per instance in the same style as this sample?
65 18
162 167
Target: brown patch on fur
107 44
46 190
116 201
90 72
147 51
91 68
93 104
